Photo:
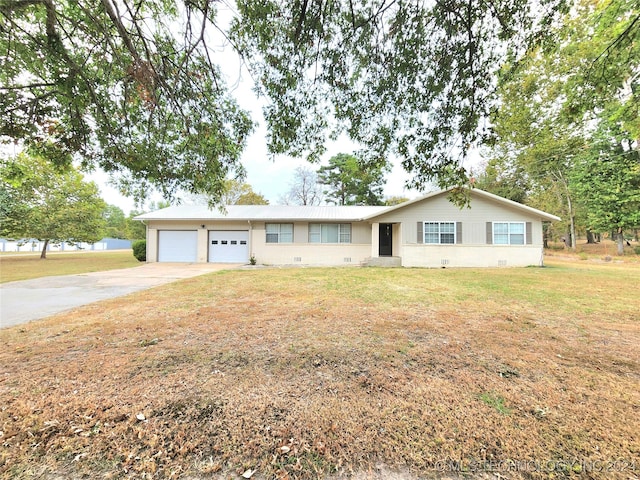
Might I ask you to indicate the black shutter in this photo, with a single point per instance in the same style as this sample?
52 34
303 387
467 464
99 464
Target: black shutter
489 233
528 233
420 232
458 232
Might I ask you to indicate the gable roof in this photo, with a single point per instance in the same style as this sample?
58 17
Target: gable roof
476 191
348 213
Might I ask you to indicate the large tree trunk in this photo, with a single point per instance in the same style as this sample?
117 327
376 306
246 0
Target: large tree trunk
43 255
620 241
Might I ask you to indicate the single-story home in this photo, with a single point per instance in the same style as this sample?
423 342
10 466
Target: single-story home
426 232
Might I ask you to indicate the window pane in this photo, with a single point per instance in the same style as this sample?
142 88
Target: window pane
431 238
286 228
330 233
447 238
500 228
431 227
286 237
272 227
517 239
448 227
345 233
501 239
272 238
314 233
516 228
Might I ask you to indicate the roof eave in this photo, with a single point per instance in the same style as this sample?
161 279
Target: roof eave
253 219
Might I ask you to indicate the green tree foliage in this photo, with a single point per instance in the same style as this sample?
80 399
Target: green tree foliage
136 230
133 86
129 86
608 181
536 146
349 182
601 50
496 178
252 198
49 204
241 193
115 222
557 99
412 79
395 200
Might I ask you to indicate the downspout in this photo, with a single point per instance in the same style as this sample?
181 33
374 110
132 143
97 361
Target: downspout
251 254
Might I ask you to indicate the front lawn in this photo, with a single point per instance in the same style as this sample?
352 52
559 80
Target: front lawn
24 266
322 372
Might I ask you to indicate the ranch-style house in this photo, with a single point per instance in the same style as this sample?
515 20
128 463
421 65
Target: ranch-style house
426 232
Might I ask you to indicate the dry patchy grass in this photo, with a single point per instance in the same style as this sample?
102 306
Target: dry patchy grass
26 266
318 373
604 251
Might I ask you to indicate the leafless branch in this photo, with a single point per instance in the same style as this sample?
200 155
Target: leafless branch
112 12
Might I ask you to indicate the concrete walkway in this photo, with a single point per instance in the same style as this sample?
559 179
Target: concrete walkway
28 300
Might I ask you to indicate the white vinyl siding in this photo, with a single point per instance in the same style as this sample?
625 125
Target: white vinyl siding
329 233
279 232
509 233
440 233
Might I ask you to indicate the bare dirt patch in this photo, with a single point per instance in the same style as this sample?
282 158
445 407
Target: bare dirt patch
326 373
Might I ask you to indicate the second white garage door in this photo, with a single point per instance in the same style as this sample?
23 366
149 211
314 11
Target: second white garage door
229 246
177 245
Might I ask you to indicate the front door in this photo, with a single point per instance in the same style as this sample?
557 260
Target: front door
384 240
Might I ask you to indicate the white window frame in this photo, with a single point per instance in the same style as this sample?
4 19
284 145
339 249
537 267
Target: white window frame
440 233
280 236
510 236
316 232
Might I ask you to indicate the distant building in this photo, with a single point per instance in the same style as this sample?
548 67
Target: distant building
32 245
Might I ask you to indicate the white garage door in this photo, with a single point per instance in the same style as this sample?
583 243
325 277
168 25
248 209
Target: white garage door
177 245
229 246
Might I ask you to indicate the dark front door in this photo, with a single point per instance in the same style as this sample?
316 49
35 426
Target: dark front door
386 247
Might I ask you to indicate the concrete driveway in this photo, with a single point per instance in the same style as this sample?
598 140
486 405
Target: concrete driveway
28 300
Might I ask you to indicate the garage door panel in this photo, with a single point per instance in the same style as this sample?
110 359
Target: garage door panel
177 246
228 246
